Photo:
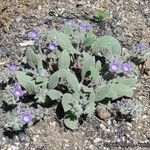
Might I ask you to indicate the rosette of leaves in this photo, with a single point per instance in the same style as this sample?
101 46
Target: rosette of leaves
77 70
8 96
128 107
15 122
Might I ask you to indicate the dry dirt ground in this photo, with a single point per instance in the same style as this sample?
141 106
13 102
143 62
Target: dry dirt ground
129 21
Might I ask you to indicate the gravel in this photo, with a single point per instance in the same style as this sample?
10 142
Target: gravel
128 21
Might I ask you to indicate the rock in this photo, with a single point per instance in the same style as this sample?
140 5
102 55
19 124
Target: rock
118 30
11 147
147 22
103 127
102 113
148 135
96 140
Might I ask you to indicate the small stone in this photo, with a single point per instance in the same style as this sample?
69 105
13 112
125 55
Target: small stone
118 30
148 134
39 7
96 140
129 124
144 117
11 147
103 127
68 148
19 18
102 113
91 147
147 22
35 137
109 122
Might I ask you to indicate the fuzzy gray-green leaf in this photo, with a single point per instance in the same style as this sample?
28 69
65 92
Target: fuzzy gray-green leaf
67 100
113 91
90 108
71 123
88 61
54 94
26 82
64 60
54 80
107 42
89 39
34 60
95 74
65 43
126 81
72 80
68 29
98 65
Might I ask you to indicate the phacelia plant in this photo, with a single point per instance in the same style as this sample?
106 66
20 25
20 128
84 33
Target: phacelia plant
73 67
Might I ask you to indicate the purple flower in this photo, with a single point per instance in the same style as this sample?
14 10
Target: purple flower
33 34
12 68
141 46
18 92
127 67
85 27
53 46
71 23
27 117
114 67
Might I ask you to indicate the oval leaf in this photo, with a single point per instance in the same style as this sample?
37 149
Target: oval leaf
107 42
64 60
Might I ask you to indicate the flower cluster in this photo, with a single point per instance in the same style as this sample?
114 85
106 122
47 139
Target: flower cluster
18 92
53 46
71 23
27 117
12 68
33 34
117 67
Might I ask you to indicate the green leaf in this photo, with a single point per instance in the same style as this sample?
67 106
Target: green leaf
92 97
31 58
68 29
54 94
95 74
26 82
67 100
126 81
89 39
98 65
113 91
64 60
39 63
88 61
110 43
52 35
41 96
90 108
71 123
87 89
72 80
54 80
34 60
65 43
